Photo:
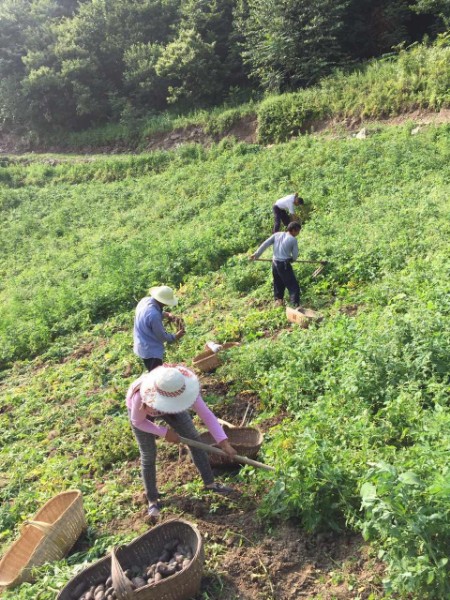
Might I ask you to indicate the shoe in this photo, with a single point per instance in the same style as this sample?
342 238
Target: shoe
219 488
153 511
279 302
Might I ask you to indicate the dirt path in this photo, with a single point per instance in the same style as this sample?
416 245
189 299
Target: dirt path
244 131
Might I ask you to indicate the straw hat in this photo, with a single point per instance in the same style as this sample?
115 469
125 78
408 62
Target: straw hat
170 389
163 294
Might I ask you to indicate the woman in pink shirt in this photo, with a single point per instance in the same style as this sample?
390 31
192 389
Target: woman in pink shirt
167 393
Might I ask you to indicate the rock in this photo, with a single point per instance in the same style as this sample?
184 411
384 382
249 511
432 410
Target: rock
415 131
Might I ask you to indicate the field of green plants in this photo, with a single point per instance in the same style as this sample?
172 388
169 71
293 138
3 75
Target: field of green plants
365 441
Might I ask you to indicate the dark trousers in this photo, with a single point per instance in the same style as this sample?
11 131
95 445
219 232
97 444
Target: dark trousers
152 363
183 425
284 277
280 215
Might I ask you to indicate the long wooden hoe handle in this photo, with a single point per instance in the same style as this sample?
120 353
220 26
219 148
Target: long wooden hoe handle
313 262
214 450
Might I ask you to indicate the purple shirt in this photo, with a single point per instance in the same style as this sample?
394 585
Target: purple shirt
138 414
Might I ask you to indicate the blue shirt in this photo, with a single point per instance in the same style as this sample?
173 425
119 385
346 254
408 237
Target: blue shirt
284 246
148 333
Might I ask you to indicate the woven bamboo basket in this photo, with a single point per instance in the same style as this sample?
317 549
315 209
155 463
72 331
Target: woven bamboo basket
145 550
246 440
302 316
208 360
48 537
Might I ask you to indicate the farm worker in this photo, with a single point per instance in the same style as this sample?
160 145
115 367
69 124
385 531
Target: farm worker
149 334
283 210
166 393
285 251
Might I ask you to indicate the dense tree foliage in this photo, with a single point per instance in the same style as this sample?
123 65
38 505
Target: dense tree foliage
291 42
69 64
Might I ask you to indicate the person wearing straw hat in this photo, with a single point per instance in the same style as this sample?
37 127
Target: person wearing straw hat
285 251
167 392
149 334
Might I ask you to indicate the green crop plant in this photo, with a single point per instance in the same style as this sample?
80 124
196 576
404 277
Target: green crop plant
360 399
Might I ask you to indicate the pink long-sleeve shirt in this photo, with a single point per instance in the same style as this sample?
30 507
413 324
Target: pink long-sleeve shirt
138 414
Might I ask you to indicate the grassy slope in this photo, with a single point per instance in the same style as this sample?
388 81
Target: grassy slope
358 390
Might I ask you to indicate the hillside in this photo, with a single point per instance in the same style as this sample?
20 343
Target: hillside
355 410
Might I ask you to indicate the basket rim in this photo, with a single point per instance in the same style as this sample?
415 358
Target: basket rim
196 556
121 550
77 495
4 583
228 430
307 313
160 526
198 360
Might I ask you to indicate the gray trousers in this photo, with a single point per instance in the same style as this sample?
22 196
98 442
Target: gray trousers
183 425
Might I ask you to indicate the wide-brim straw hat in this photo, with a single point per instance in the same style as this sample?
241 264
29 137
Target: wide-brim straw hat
163 294
170 389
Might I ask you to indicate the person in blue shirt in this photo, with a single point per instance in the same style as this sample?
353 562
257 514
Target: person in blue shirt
149 334
285 251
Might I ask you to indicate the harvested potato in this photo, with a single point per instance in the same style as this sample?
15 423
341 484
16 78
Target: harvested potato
165 556
139 582
174 557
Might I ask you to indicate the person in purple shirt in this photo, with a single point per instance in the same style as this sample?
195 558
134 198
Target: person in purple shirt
149 334
166 393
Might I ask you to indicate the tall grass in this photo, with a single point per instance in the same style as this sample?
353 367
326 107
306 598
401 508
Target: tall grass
416 77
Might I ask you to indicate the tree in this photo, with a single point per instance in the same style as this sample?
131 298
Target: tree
25 30
85 61
144 86
192 67
373 27
289 43
438 8
213 20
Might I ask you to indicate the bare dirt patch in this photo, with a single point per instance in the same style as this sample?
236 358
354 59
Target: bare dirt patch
244 130
247 559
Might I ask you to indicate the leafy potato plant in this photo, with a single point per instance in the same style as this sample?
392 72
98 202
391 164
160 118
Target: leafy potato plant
367 386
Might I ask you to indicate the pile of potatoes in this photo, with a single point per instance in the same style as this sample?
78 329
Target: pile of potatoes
174 558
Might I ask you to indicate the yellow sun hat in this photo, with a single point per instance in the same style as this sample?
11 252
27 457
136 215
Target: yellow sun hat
163 294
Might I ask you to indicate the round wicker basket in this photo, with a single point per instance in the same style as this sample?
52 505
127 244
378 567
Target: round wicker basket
48 537
144 550
246 440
